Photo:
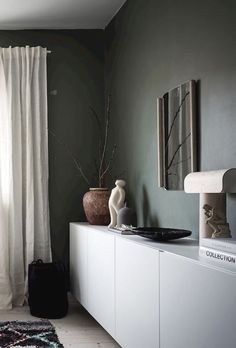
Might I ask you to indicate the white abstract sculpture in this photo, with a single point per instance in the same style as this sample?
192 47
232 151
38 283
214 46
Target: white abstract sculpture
212 186
116 201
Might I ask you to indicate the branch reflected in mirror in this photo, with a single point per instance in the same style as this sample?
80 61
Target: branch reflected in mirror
177 150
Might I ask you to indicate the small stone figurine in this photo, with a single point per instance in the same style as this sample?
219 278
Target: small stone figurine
218 225
116 201
126 216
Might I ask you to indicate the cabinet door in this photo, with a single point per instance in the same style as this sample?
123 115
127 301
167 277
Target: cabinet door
198 307
137 295
101 298
78 263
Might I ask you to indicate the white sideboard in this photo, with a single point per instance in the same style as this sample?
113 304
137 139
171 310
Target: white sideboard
79 263
152 295
101 285
137 295
198 305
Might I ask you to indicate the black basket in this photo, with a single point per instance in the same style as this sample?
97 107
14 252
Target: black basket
48 290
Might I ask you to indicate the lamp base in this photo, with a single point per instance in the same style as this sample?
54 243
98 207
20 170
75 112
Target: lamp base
212 215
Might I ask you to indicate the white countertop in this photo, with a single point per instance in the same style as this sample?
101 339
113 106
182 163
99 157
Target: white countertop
184 247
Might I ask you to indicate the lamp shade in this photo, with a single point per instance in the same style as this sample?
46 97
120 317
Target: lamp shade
216 181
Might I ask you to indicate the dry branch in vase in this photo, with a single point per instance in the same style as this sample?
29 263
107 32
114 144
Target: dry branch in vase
103 163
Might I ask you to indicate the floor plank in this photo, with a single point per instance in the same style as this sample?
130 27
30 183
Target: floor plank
77 330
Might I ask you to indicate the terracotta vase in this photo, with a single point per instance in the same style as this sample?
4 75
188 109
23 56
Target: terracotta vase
95 203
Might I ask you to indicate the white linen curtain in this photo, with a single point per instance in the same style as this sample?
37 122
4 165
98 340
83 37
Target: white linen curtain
24 207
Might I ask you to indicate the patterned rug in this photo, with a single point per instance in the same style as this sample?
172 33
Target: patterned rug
30 334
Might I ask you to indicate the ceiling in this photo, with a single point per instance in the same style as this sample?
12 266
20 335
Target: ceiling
57 14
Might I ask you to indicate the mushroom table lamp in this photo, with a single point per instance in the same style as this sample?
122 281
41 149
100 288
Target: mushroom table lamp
212 186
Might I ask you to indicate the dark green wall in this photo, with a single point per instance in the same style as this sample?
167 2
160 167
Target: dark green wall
152 46
76 71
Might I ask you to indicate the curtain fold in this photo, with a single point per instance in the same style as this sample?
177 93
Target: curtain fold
24 207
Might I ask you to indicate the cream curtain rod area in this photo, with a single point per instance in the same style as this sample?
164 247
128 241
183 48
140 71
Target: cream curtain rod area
48 51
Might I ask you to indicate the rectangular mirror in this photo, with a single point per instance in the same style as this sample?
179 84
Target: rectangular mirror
176 121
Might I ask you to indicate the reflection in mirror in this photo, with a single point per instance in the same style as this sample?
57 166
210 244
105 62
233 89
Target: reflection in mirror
176 120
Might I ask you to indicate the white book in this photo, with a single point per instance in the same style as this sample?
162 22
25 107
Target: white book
120 230
225 244
218 257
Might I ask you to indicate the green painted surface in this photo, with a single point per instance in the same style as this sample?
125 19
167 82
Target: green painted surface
151 47
76 71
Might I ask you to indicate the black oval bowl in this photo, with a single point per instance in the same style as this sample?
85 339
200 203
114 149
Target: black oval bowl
161 234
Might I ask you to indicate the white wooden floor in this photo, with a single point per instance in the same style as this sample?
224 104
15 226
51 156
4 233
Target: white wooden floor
77 330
